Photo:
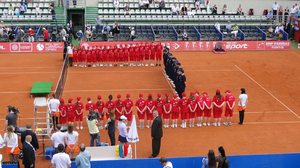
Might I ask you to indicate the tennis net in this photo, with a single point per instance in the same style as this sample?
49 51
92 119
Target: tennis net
62 79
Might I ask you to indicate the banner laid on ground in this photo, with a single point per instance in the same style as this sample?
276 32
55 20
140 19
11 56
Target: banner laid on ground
204 45
32 47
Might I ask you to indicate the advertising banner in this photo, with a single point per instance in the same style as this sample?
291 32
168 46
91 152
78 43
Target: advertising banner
204 45
31 47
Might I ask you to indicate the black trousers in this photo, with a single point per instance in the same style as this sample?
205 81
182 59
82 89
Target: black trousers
112 138
155 146
241 115
55 121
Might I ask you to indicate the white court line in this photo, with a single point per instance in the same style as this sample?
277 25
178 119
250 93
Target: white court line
14 73
115 90
267 91
272 122
28 67
206 65
79 72
265 112
221 70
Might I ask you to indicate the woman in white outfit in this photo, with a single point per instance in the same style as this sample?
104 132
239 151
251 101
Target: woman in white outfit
243 101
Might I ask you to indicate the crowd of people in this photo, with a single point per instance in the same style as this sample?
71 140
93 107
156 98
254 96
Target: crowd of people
141 54
174 71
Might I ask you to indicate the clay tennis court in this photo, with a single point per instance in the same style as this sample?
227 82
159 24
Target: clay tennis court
271 79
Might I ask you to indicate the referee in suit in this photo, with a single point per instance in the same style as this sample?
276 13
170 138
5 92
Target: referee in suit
28 153
156 134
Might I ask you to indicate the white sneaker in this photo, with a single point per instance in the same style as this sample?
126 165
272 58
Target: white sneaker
225 123
175 125
193 125
77 128
208 124
148 126
172 126
214 124
219 124
81 127
204 124
230 124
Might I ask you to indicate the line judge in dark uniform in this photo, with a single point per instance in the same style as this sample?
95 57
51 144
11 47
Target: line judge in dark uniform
156 134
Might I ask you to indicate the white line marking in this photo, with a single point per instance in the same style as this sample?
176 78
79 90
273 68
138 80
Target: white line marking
221 70
265 112
273 122
116 90
14 73
29 67
206 65
85 72
267 91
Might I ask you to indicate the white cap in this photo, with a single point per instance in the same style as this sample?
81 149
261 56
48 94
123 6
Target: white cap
123 117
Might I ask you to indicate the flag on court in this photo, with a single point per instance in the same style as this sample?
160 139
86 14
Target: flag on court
133 136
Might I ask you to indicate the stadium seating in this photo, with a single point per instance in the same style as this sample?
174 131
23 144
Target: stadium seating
251 32
30 14
109 13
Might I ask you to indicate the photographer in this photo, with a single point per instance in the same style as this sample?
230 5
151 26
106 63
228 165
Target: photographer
93 128
12 117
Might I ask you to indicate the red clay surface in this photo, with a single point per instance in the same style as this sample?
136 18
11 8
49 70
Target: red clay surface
271 79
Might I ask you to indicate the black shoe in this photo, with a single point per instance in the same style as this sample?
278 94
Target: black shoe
150 156
240 123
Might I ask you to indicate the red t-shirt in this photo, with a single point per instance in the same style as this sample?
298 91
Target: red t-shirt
175 105
230 99
140 104
128 105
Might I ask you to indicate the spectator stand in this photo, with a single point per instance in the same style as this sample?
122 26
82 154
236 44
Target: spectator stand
110 13
192 33
30 14
251 32
265 28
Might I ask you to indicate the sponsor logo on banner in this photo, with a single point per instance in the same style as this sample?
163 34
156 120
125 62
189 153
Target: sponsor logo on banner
260 45
25 47
40 47
51 47
236 46
2 47
277 45
14 47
